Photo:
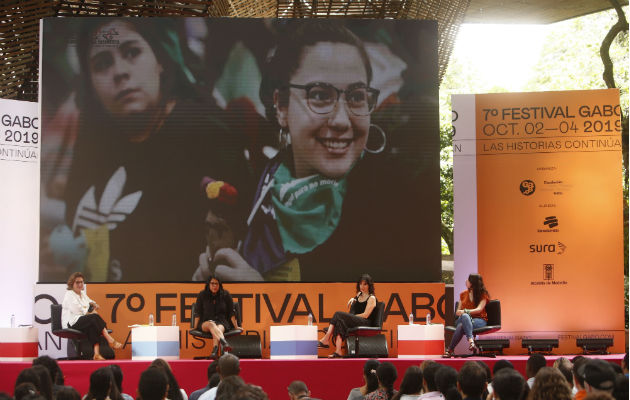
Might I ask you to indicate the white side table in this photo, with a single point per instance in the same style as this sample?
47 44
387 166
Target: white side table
151 342
18 344
293 342
420 341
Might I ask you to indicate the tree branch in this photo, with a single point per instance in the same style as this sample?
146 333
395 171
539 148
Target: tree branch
604 50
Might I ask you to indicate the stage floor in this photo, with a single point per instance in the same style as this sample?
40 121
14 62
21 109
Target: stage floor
326 378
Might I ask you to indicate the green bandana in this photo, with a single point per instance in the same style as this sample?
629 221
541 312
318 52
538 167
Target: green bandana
307 209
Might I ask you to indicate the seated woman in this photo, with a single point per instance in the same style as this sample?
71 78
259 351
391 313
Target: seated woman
361 307
470 313
79 312
215 308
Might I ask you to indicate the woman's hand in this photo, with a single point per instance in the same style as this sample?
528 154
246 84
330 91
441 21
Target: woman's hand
352 299
232 267
459 313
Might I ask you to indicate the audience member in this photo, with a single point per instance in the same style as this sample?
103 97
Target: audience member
428 381
446 382
103 385
229 386
624 364
298 390
534 363
67 393
471 380
508 384
411 384
578 380
486 369
498 366
174 391
386 374
45 381
550 385
564 365
621 387
5 396
250 392
56 375
212 375
598 376
27 375
24 389
153 384
599 396
228 365
370 379
118 377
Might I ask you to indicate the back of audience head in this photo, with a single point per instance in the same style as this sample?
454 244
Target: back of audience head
387 375
103 385
67 393
471 379
53 368
45 381
508 384
534 363
228 387
624 364
411 382
24 389
598 375
153 384
369 373
621 387
564 365
173 387
550 385
30 376
118 376
214 380
5 396
501 364
298 390
428 376
446 382
212 369
250 392
487 370
228 365
577 370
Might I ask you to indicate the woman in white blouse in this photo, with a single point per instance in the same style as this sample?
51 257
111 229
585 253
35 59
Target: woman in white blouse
79 312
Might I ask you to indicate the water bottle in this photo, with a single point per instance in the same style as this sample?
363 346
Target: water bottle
310 319
150 319
411 319
12 320
429 318
174 320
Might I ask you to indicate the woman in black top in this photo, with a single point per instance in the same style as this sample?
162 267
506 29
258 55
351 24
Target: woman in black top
215 308
361 307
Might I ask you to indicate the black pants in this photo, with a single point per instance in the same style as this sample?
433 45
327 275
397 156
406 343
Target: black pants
92 325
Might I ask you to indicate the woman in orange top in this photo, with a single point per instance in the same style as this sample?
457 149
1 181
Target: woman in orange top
470 313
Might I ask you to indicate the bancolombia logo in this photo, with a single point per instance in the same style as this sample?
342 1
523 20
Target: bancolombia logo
548 248
551 222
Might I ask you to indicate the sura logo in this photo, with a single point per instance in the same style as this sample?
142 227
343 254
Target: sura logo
548 248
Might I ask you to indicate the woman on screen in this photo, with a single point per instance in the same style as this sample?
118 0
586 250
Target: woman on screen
146 138
80 312
322 205
470 313
361 313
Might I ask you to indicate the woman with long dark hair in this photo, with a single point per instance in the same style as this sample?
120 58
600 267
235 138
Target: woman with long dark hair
80 312
174 391
387 375
147 136
411 384
361 310
470 313
215 309
370 379
103 386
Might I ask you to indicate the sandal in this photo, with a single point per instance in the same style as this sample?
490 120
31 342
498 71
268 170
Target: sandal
472 347
335 355
321 345
448 354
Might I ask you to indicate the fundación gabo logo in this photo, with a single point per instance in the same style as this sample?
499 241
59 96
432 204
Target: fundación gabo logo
527 187
550 223
548 248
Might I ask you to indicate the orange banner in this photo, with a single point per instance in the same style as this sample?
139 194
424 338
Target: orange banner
262 304
549 212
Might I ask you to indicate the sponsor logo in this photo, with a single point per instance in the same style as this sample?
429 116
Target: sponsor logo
549 248
547 205
551 222
527 187
547 272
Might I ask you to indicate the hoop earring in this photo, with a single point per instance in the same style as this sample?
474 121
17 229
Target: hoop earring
382 132
284 138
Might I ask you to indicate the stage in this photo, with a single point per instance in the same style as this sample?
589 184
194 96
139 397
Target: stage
326 378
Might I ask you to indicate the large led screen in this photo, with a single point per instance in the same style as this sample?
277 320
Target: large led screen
253 149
